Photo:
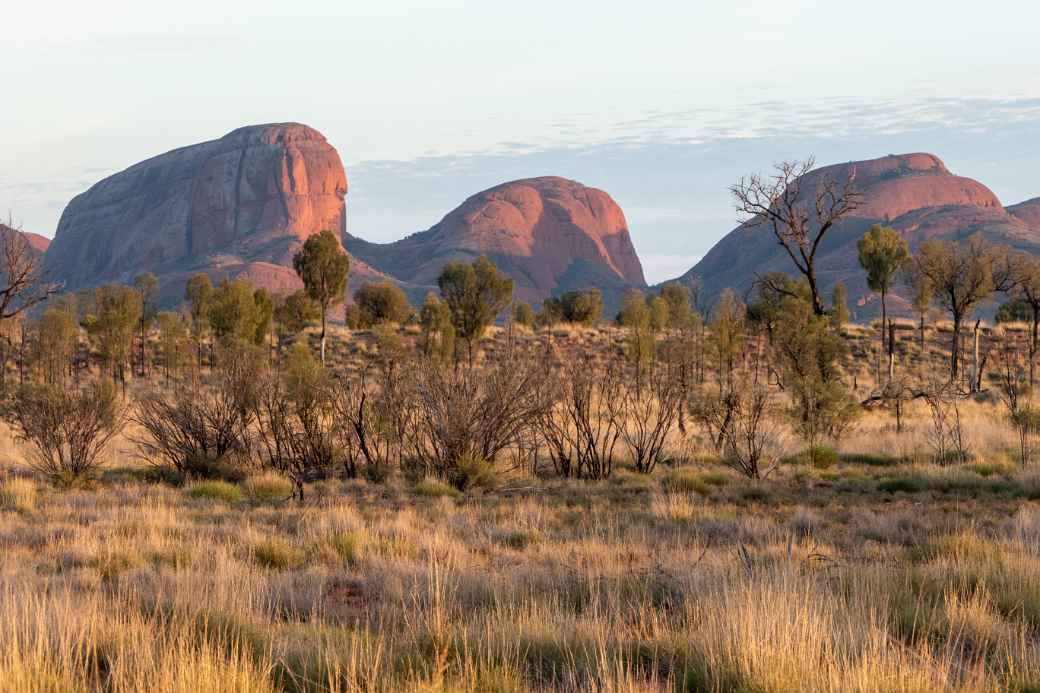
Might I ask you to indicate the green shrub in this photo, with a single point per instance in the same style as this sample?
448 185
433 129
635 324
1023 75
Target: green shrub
267 489
207 467
217 490
873 459
349 545
520 539
686 481
18 494
817 457
435 488
277 554
953 457
905 484
474 473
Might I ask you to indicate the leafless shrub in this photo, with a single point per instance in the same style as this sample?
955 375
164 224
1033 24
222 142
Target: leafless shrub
376 412
69 430
295 425
646 409
946 435
202 430
753 439
472 415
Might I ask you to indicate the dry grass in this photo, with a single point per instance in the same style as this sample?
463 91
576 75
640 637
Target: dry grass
885 572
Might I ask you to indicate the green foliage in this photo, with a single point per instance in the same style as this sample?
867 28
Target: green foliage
295 312
819 457
380 303
811 354
267 490
883 252
839 306
173 341
583 307
277 554
659 315
323 266
475 294
1015 310
238 313
681 314
634 313
198 293
56 337
523 314
111 327
435 488
438 332
216 490
728 332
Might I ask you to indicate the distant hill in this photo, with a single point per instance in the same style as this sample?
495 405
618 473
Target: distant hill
914 193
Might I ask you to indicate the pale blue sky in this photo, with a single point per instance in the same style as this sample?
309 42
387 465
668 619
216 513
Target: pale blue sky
660 103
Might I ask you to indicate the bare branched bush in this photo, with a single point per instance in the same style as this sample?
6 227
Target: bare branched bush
646 411
376 412
69 430
587 421
202 430
472 415
295 425
1013 376
754 437
946 435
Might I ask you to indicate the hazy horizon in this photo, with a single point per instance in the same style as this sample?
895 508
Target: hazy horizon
429 103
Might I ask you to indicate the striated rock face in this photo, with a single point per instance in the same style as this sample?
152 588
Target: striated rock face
242 204
913 193
549 234
1028 211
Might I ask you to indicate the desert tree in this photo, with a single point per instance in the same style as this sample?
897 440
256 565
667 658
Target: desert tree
523 314
475 293
438 332
293 313
68 429
21 285
727 335
883 253
636 318
680 310
800 208
174 336
961 276
646 411
839 306
753 435
1015 391
56 339
1024 281
199 294
379 303
583 307
660 318
147 287
323 267
117 310
921 296
238 312
810 355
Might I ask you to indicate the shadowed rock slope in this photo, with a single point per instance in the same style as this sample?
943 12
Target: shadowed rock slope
914 193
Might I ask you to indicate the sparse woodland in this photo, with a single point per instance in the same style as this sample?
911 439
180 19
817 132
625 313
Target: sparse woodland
477 495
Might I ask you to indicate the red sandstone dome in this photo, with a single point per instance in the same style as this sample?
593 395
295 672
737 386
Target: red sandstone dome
914 193
550 234
240 204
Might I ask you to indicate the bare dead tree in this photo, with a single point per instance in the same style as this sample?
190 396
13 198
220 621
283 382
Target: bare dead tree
646 410
799 215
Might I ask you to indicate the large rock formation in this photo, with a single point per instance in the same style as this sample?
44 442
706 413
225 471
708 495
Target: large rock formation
913 193
549 234
240 205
